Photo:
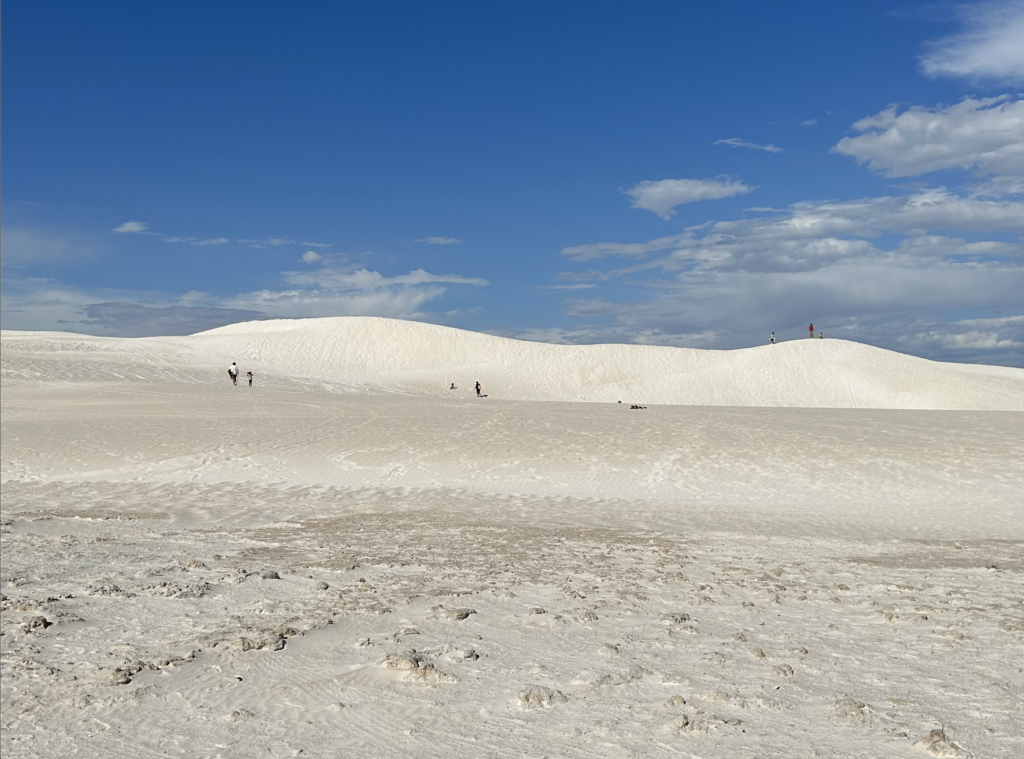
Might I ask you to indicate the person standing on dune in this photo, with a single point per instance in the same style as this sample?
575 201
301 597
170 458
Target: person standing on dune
772 339
811 328
233 373
478 389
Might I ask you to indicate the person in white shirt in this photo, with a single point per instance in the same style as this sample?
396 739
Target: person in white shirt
233 373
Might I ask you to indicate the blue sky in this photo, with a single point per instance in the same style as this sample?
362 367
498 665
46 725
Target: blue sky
666 173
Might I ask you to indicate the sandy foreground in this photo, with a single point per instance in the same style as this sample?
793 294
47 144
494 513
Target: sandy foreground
308 568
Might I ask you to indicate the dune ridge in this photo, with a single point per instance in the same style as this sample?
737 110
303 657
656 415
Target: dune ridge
392 355
418 357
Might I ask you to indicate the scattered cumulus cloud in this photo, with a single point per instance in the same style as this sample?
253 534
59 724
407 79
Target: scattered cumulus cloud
896 270
35 303
311 257
664 195
440 240
883 270
989 46
985 135
736 142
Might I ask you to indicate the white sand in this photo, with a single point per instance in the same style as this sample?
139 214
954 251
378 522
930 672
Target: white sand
464 577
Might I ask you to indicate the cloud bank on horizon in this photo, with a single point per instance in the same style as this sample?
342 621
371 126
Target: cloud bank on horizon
901 224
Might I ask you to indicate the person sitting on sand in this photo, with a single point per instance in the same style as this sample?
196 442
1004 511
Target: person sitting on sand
453 387
821 335
233 373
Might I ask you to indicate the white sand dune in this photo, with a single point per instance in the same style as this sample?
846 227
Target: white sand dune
349 560
389 354
804 373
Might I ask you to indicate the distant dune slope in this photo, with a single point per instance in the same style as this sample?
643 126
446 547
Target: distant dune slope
395 355
405 355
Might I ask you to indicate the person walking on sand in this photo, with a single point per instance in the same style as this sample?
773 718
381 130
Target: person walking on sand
233 373
249 376
478 389
811 328
771 339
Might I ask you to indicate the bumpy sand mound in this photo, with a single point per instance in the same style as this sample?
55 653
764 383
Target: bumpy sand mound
418 357
367 353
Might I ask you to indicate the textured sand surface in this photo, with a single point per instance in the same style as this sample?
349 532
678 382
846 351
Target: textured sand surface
321 566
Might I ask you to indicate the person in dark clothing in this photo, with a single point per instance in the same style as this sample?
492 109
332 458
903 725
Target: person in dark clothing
478 389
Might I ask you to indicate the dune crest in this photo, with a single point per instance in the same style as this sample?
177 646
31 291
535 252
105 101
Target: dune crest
413 356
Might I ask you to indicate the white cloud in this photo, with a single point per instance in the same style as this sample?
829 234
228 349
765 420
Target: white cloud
364 279
133 227
986 135
736 142
141 228
664 195
440 240
348 291
197 241
991 46
276 242
311 257
809 123
23 246
340 291
725 283
602 249
577 286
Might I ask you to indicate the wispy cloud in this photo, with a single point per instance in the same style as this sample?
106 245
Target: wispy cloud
736 142
809 123
577 286
664 195
25 246
137 320
440 240
597 250
990 44
200 242
276 242
141 228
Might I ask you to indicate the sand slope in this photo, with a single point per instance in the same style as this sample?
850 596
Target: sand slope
311 568
395 355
